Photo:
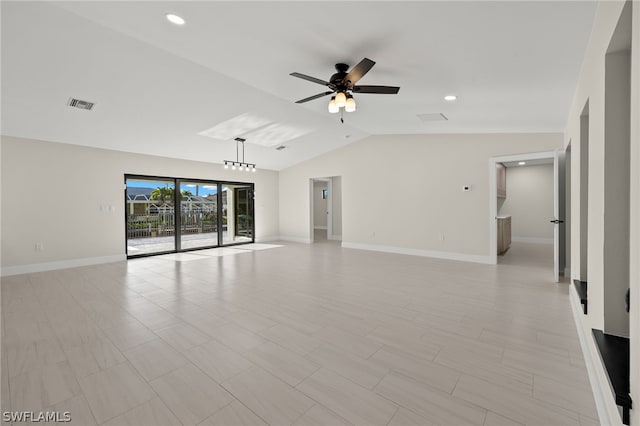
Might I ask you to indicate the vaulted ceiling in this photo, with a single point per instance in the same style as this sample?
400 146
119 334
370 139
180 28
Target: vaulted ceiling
157 86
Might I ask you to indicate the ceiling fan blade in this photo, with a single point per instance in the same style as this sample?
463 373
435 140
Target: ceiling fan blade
358 71
383 90
309 78
310 98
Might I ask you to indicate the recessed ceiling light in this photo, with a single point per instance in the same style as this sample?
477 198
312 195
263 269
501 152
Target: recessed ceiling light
450 98
175 19
521 163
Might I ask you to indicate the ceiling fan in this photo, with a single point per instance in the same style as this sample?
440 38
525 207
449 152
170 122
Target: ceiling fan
343 85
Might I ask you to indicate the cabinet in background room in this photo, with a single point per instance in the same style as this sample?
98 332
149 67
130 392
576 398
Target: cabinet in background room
501 175
504 233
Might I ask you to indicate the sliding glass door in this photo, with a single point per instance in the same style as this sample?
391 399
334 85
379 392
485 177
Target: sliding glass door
150 216
237 211
199 214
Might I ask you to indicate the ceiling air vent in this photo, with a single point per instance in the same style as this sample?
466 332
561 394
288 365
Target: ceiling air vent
436 116
77 103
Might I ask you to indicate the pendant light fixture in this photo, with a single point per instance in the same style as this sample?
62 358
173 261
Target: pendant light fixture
350 105
342 99
333 106
239 165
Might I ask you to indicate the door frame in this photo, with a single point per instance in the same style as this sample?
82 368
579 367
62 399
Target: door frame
329 183
493 196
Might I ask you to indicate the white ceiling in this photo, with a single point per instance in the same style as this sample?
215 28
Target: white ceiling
514 66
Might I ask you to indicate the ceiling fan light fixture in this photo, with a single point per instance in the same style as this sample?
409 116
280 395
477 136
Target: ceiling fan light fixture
333 106
341 99
350 105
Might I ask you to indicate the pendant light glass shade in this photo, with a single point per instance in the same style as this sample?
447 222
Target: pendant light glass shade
333 106
341 99
350 105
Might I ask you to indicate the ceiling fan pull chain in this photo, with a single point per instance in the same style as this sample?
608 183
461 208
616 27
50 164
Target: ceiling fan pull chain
342 115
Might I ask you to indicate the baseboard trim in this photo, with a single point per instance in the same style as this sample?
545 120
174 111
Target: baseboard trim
416 252
296 239
597 389
63 264
320 227
532 240
336 237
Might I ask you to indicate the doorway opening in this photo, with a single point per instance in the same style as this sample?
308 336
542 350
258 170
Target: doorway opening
326 209
527 192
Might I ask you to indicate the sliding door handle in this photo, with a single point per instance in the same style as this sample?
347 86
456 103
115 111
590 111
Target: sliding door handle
556 221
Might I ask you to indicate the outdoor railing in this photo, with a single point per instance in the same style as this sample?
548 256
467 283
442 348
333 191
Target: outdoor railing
163 224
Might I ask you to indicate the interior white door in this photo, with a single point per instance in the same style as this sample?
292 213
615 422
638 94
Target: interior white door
558 213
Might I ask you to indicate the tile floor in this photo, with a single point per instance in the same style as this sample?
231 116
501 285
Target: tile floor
296 334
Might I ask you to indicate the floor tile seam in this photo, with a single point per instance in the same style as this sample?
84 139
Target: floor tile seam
170 344
240 402
306 357
465 373
532 400
135 345
577 413
400 405
131 409
83 392
158 377
543 373
76 396
219 383
514 346
299 381
347 378
394 414
322 405
235 397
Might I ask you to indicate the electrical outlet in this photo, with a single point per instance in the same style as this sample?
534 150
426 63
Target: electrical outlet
39 246
441 236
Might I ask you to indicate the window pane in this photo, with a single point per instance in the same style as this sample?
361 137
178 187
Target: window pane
150 216
198 215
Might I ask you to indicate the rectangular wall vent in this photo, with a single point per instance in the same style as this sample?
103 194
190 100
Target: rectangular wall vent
436 116
77 103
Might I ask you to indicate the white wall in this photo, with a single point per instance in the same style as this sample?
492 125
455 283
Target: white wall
336 207
407 206
71 199
319 205
530 202
634 214
591 88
